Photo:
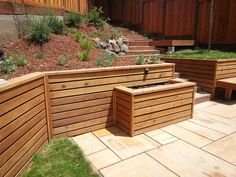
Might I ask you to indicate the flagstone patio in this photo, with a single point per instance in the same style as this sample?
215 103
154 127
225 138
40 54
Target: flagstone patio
202 146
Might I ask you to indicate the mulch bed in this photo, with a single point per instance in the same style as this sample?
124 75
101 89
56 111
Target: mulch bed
59 45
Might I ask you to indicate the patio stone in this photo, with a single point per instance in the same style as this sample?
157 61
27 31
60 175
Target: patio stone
89 143
103 158
200 130
138 166
126 147
224 148
211 121
161 136
189 161
186 135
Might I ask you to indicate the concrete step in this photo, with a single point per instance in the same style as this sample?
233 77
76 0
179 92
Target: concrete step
139 43
201 97
141 47
140 52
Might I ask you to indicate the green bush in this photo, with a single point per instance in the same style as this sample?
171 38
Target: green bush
115 34
79 36
39 32
62 60
105 61
84 56
94 17
7 66
57 26
18 59
101 34
86 45
72 19
140 60
40 55
154 59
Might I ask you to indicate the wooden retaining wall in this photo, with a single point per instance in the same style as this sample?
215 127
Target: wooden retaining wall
143 110
205 72
24 126
81 101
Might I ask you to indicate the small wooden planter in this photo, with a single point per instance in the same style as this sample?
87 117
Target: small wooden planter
138 111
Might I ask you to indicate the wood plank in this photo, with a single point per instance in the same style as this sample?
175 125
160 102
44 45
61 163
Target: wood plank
152 109
123 96
123 103
169 43
122 109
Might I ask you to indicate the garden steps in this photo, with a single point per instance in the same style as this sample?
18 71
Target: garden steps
142 48
134 56
140 52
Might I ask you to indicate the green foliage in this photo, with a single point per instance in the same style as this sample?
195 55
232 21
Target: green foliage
86 45
7 66
128 25
62 60
40 55
94 17
203 54
154 59
115 33
140 60
57 26
84 56
72 19
39 32
101 34
105 61
62 158
80 37
18 59
70 31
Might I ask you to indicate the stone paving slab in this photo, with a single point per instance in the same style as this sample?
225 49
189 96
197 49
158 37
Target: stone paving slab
138 166
103 158
161 136
189 161
224 148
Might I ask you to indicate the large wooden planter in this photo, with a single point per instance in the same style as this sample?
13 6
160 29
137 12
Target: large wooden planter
205 72
140 110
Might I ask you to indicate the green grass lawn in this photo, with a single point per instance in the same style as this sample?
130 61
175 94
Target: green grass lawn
60 158
203 54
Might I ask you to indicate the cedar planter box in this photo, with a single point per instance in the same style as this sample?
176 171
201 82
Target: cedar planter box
141 110
205 72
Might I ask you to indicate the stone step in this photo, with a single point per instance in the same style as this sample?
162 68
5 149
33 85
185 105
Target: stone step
140 52
201 97
139 43
141 47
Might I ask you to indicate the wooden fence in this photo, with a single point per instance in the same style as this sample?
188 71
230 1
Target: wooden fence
176 19
37 107
77 6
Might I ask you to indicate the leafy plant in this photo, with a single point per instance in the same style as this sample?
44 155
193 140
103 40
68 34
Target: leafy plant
18 59
154 59
86 45
57 26
7 66
128 25
39 32
101 34
84 56
40 55
115 34
140 60
79 37
72 19
62 60
105 61
94 16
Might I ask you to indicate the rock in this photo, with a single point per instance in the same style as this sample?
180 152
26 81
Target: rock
113 42
96 40
2 81
122 54
103 45
110 47
120 41
116 48
124 48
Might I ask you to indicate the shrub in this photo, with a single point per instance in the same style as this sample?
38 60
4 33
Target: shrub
115 34
57 26
105 61
7 66
40 55
100 33
18 59
154 59
84 56
62 60
39 32
79 36
86 45
140 60
94 16
72 19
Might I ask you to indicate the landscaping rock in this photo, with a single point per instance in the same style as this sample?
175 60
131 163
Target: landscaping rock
121 54
116 48
2 81
103 45
124 48
110 48
120 41
96 40
113 42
